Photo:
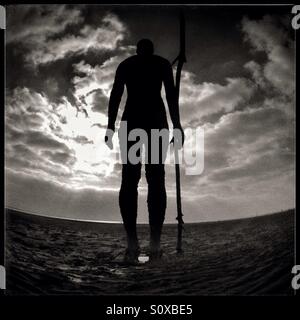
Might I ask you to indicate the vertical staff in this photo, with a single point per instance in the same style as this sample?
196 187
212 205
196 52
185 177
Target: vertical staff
181 59
3 212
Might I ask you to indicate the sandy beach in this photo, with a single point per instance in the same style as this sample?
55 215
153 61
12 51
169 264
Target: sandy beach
251 256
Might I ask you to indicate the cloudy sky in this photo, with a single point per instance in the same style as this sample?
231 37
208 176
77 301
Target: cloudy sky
238 85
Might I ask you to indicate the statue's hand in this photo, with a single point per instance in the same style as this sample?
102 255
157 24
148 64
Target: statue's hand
178 137
108 138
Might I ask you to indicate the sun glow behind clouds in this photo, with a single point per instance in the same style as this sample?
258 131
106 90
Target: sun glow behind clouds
92 155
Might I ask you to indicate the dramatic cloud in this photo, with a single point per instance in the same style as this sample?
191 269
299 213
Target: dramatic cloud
94 84
39 195
55 122
53 139
42 37
105 37
198 101
33 24
248 122
266 36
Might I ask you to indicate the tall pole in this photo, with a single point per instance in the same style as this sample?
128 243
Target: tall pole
181 59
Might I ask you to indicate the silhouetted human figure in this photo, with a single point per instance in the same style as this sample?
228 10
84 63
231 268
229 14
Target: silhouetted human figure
143 75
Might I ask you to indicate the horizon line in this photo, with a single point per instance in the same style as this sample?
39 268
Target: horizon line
119 222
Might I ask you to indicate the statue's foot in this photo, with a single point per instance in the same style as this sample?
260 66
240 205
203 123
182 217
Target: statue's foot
155 255
131 256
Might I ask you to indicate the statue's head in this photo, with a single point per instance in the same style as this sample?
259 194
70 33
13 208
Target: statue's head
145 47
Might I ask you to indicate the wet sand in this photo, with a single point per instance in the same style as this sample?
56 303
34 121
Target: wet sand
242 257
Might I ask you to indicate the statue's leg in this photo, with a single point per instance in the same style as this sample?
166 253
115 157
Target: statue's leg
128 200
157 197
157 201
128 197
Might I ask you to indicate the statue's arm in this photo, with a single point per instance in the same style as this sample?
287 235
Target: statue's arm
115 98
